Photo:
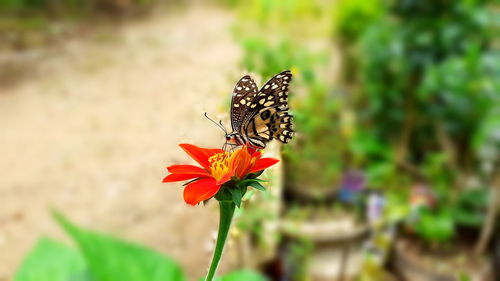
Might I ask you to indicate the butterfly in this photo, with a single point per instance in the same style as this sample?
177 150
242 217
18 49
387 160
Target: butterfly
258 116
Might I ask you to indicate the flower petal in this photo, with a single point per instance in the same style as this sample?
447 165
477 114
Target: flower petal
262 164
200 190
227 177
252 150
180 177
256 154
199 154
240 162
187 169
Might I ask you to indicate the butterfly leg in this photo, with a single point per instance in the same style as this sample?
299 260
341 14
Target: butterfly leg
232 147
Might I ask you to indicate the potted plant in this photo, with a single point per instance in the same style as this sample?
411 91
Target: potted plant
426 84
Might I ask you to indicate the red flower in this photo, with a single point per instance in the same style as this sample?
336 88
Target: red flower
217 168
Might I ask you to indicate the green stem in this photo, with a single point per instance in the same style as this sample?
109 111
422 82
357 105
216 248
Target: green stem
226 209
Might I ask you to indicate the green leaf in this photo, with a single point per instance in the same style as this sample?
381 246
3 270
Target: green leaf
467 217
52 261
248 181
110 259
255 175
252 182
433 227
257 185
475 198
237 195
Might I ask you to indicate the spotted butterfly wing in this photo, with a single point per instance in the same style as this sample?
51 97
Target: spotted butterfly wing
259 117
243 95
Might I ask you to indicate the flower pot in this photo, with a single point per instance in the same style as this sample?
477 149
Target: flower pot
297 193
413 263
335 247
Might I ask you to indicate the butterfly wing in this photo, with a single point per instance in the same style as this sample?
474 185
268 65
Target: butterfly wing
241 101
268 116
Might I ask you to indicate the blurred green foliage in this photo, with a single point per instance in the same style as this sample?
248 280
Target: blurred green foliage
289 19
432 69
435 227
251 218
51 260
317 150
28 24
440 225
428 69
469 208
101 257
267 58
418 99
65 7
280 44
351 18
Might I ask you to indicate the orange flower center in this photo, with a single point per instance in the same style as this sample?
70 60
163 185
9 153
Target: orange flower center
219 165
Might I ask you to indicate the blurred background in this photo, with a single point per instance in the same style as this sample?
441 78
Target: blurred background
393 174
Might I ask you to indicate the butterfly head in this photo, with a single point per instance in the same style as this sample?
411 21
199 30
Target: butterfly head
235 138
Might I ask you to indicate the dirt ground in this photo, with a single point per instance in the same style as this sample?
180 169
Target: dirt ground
90 132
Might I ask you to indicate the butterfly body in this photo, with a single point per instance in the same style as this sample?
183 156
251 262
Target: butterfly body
259 116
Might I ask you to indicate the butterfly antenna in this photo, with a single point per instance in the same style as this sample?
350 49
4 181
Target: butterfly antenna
222 126
218 124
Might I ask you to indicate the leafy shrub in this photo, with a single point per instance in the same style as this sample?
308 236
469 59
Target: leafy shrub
425 79
430 75
435 227
351 18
